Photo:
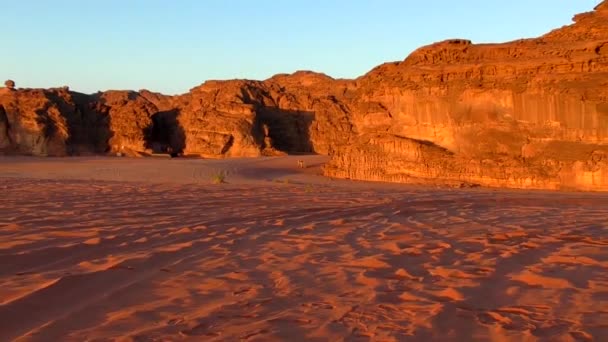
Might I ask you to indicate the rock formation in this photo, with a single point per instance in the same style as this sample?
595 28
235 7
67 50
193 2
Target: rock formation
9 84
215 119
530 113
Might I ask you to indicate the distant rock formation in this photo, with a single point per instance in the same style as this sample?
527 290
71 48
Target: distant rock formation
531 113
215 119
10 84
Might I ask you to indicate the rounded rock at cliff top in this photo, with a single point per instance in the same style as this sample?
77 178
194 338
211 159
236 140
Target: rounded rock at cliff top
9 84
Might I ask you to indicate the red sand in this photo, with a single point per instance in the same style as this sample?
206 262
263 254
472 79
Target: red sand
109 248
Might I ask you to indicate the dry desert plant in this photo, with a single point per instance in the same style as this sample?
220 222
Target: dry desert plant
219 178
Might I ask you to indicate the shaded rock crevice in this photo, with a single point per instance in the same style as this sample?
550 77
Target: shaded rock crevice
5 139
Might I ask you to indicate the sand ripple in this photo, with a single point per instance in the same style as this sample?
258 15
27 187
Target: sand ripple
104 260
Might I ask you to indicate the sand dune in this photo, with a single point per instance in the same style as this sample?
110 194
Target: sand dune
106 248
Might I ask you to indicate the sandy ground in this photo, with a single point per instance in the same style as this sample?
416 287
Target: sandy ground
148 249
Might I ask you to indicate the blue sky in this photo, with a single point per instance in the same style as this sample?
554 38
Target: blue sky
172 46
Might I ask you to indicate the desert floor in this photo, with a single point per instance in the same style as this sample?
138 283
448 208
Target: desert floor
149 249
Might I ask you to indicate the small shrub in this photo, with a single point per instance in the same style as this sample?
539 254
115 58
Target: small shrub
219 178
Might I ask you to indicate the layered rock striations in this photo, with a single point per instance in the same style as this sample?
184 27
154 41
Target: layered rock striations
531 113
527 114
298 113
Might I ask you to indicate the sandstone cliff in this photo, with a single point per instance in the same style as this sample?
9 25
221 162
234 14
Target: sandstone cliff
298 113
531 113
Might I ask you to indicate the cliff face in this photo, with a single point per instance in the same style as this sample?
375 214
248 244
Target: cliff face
33 121
58 122
529 114
297 113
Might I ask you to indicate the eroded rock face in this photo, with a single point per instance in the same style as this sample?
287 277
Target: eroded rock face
57 122
300 114
32 122
218 121
309 112
297 113
527 114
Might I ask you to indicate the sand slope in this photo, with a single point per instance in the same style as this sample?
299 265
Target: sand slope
84 256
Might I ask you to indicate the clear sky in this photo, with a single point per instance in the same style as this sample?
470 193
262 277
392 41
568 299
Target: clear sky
174 45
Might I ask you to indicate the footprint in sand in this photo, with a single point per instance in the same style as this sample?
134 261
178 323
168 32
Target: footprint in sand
241 291
122 267
92 241
319 305
248 336
199 332
175 321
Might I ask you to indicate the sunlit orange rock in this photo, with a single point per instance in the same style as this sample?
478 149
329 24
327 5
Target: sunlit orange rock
528 114
531 113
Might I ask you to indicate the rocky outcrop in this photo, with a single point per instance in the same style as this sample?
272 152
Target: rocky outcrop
218 120
57 122
9 84
32 122
297 113
527 114
309 112
531 113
